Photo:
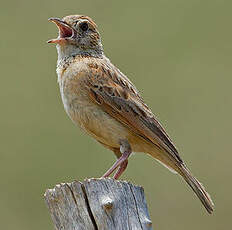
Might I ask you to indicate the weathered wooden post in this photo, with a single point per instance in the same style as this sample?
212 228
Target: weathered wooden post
98 204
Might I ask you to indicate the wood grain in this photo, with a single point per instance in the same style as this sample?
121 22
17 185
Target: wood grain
105 204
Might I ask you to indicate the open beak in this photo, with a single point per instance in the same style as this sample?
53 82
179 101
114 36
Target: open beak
66 32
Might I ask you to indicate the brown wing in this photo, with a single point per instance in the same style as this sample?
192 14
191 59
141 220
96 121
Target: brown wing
113 91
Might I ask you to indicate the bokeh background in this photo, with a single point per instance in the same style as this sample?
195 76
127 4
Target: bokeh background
178 53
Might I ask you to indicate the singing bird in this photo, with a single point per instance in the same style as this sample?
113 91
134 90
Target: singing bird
99 98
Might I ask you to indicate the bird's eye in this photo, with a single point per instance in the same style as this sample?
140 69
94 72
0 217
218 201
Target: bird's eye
84 26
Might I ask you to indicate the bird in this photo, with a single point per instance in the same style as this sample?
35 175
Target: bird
103 102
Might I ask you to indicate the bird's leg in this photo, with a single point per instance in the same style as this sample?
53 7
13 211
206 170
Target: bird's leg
122 161
121 169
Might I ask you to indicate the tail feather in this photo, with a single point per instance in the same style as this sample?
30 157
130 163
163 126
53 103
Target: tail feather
198 188
180 168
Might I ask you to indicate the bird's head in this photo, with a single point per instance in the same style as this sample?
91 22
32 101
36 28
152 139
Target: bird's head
78 34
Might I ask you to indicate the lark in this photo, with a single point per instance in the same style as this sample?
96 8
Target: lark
101 100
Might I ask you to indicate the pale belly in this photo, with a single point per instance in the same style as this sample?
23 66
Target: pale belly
97 123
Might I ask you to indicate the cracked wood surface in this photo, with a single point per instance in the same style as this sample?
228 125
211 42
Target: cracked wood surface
98 204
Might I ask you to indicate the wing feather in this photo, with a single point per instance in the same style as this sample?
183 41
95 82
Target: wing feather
117 96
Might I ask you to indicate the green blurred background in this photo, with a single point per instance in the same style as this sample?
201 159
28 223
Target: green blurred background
177 52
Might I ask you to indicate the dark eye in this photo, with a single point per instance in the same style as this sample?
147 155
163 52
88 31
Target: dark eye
84 26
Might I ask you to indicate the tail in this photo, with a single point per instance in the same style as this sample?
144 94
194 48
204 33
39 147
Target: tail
180 168
198 188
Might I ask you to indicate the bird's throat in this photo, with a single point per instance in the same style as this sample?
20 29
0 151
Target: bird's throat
67 51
